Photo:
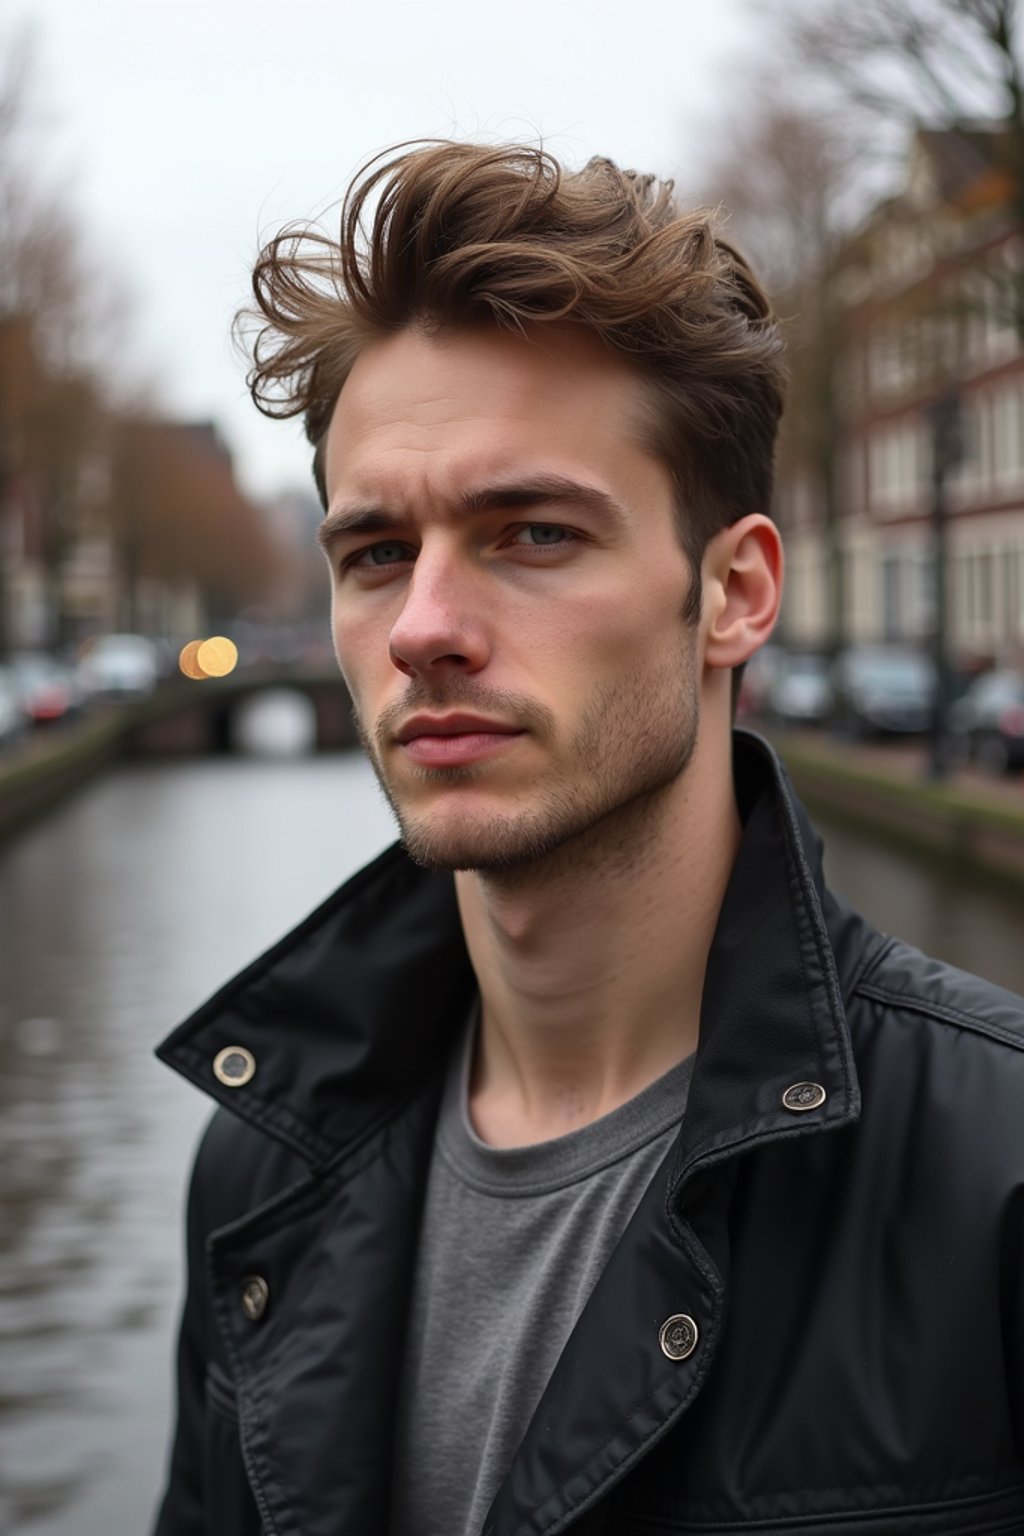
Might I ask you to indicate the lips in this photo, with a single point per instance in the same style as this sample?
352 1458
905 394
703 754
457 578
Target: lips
436 741
453 725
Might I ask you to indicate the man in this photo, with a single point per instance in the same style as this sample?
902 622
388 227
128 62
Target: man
583 1164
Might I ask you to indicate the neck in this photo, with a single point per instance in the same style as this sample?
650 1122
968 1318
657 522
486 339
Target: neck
591 962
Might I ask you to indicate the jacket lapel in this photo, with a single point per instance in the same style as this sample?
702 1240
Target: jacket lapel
316 1376
614 1391
345 1017
771 1018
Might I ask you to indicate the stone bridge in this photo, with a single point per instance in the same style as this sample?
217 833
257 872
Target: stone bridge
181 719
185 718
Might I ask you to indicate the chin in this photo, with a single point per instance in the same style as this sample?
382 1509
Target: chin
491 845
490 848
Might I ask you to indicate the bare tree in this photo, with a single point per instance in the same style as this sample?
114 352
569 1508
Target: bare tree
178 515
40 254
51 402
948 61
885 67
788 183
784 178
59 321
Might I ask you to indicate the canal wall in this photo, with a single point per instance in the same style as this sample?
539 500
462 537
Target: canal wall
964 822
45 770
180 719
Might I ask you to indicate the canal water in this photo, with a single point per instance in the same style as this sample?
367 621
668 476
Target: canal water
120 912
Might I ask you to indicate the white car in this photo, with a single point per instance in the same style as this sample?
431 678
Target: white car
801 691
119 666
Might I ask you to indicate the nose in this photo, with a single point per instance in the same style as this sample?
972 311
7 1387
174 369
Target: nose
440 628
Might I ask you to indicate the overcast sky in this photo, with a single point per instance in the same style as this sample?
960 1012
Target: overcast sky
188 129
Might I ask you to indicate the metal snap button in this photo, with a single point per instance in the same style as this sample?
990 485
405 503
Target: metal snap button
678 1336
803 1096
234 1066
255 1295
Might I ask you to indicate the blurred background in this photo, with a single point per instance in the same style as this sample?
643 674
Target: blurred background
158 827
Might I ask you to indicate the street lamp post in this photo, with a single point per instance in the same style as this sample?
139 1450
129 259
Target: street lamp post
944 417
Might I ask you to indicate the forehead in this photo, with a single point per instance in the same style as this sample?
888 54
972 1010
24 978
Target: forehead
479 401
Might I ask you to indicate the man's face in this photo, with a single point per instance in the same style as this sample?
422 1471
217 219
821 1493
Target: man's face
507 590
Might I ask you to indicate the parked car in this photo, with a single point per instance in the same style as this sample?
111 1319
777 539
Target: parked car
46 686
801 691
119 666
14 719
883 690
988 721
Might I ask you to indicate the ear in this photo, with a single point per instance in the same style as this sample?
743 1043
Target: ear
742 583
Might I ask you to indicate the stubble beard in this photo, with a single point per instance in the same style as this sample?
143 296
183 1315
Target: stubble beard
634 741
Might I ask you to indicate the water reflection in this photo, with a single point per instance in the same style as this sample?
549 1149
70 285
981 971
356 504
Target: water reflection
962 921
121 912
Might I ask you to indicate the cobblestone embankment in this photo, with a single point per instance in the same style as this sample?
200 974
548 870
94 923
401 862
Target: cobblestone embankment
968 819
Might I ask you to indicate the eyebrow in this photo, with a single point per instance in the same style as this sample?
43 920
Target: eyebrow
535 491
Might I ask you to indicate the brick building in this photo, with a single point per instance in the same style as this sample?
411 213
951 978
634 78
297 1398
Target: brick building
929 297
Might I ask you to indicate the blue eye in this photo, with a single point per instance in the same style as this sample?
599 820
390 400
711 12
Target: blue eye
388 552
545 533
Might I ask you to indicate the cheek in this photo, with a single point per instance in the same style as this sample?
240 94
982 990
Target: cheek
352 652
607 634
339 638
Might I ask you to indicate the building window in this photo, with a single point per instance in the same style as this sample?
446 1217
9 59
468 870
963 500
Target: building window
975 318
985 588
1011 565
970 595
986 443
852 477
1002 330
892 607
1001 438
959 623
877 466
922 593
896 466
968 474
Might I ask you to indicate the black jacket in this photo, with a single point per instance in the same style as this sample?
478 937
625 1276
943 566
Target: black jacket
854 1271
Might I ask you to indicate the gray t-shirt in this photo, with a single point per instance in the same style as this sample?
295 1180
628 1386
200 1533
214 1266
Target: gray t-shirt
512 1244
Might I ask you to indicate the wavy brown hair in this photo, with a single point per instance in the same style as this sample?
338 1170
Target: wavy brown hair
445 234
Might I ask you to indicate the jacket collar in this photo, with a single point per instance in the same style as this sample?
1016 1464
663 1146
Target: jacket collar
349 1013
772 1012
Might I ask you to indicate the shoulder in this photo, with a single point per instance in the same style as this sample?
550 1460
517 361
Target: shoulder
888 984
940 1060
903 982
939 1055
